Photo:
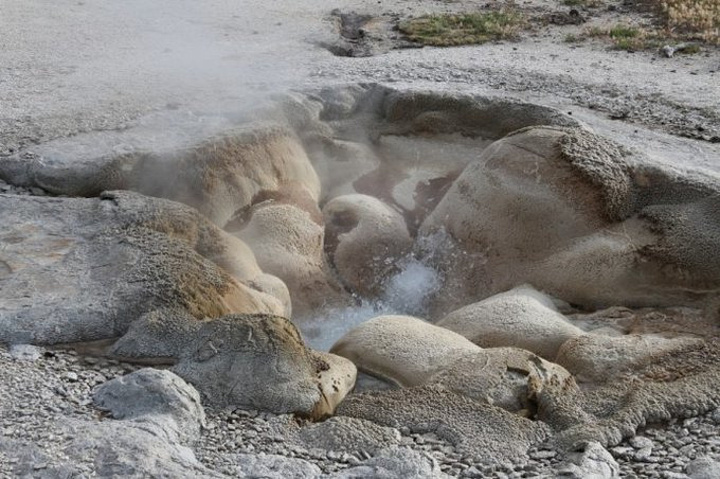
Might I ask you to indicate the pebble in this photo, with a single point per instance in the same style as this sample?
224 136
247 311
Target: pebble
643 454
543 454
716 415
641 442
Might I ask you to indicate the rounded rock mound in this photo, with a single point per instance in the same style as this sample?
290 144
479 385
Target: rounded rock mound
261 362
579 217
522 317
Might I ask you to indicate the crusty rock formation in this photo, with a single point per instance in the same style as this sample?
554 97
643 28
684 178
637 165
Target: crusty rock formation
261 362
485 432
342 433
504 377
78 270
288 242
672 384
578 217
219 175
412 353
597 359
521 317
365 239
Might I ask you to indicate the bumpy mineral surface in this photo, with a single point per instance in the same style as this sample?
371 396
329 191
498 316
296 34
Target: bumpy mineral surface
361 282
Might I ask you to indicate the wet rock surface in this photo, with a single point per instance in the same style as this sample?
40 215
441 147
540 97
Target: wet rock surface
363 35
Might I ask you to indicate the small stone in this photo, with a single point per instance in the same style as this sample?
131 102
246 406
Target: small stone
473 471
640 442
25 352
71 376
538 455
715 415
643 454
622 451
673 475
667 51
688 450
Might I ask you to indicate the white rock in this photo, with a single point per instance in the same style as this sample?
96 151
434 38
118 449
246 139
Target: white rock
25 352
703 468
154 395
641 442
395 462
594 462
271 466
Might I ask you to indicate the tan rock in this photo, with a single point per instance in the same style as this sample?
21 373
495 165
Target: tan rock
414 353
522 317
598 358
261 362
336 377
402 349
504 377
288 243
570 212
364 238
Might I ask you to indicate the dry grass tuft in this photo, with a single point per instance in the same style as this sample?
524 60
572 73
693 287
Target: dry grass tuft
699 19
463 29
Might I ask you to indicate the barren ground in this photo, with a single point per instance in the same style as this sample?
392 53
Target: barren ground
72 66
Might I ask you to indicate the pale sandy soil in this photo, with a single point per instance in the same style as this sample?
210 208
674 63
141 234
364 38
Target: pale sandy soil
69 66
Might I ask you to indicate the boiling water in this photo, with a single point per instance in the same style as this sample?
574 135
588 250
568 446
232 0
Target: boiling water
406 292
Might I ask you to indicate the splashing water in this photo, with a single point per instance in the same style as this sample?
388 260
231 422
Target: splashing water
406 292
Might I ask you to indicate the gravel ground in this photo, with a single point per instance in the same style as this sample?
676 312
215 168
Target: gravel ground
37 395
39 391
666 450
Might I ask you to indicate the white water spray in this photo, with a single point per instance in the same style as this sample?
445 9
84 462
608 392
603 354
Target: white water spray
406 292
